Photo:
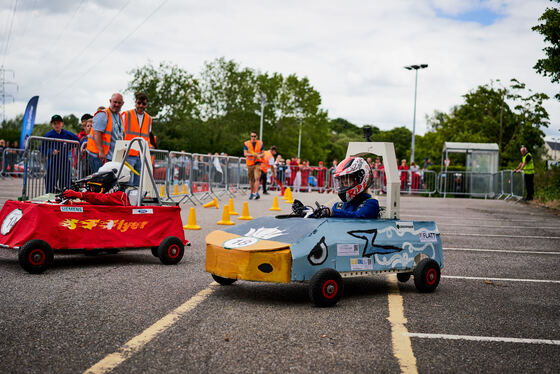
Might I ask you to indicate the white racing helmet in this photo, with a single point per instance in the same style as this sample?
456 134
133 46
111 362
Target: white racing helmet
113 166
352 177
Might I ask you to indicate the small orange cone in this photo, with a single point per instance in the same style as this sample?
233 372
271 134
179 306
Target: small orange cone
184 188
212 204
232 211
162 193
275 204
225 217
245 212
176 191
191 222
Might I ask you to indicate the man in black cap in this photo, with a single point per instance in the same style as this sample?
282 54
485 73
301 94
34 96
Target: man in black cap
58 154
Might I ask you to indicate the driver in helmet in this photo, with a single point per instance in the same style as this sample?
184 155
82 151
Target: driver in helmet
106 188
352 177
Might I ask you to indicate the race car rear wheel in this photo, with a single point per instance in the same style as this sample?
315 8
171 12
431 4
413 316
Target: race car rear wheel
403 277
35 256
223 281
326 287
427 275
171 250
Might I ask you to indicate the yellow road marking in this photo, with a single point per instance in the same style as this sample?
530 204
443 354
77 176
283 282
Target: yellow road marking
131 347
402 347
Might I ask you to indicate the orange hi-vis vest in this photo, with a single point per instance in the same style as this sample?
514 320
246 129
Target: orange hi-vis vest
265 161
105 136
252 159
132 129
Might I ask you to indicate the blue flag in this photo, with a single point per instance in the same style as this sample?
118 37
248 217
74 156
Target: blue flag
28 121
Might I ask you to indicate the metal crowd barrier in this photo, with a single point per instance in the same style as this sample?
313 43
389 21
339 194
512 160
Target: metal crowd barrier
11 162
48 165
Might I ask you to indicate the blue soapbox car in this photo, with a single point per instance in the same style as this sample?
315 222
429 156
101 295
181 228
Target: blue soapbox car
326 250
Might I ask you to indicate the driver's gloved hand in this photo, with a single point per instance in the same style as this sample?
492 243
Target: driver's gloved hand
71 194
321 211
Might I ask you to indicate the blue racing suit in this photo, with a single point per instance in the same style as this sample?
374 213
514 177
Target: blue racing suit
362 206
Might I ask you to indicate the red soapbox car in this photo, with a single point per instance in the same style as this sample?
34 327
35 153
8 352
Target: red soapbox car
38 230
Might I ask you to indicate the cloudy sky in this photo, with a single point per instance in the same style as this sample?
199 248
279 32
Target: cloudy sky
75 53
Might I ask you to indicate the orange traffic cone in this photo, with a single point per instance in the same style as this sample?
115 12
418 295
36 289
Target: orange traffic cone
162 193
287 190
212 204
232 211
191 222
184 188
245 212
176 190
275 204
225 217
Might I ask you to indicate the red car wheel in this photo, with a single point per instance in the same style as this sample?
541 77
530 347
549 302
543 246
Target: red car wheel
35 256
171 250
326 287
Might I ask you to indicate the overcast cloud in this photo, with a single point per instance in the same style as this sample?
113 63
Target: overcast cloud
75 54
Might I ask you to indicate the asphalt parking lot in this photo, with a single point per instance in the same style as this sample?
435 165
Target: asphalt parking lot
496 309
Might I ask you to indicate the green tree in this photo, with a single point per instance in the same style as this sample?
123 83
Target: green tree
550 29
174 103
511 117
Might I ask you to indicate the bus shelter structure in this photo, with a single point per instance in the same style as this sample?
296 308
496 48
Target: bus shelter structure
480 169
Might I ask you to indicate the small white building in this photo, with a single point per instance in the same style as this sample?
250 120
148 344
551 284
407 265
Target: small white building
552 152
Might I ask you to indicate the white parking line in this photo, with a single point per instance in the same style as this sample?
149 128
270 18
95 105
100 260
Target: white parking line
503 250
502 279
501 235
483 338
460 218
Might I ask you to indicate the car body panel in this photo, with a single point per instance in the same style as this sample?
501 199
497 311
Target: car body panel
350 246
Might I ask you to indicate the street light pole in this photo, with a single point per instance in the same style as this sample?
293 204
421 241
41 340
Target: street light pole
416 68
299 138
263 102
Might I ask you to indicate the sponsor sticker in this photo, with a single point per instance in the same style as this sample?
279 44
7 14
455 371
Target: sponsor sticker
10 221
142 211
428 237
361 264
242 241
72 209
405 225
347 250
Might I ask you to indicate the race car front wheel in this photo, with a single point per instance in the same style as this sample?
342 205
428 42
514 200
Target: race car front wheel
427 275
35 256
171 250
326 287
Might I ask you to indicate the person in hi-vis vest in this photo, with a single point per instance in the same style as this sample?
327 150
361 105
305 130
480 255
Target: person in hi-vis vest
106 130
253 151
528 167
137 123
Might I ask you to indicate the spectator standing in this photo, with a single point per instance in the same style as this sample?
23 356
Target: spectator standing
107 129
86 122
304 170
2 147
288 174
321 177
296 174
331 174
253 151
59 167
137 123
268 163
415 175
527 165
403 167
